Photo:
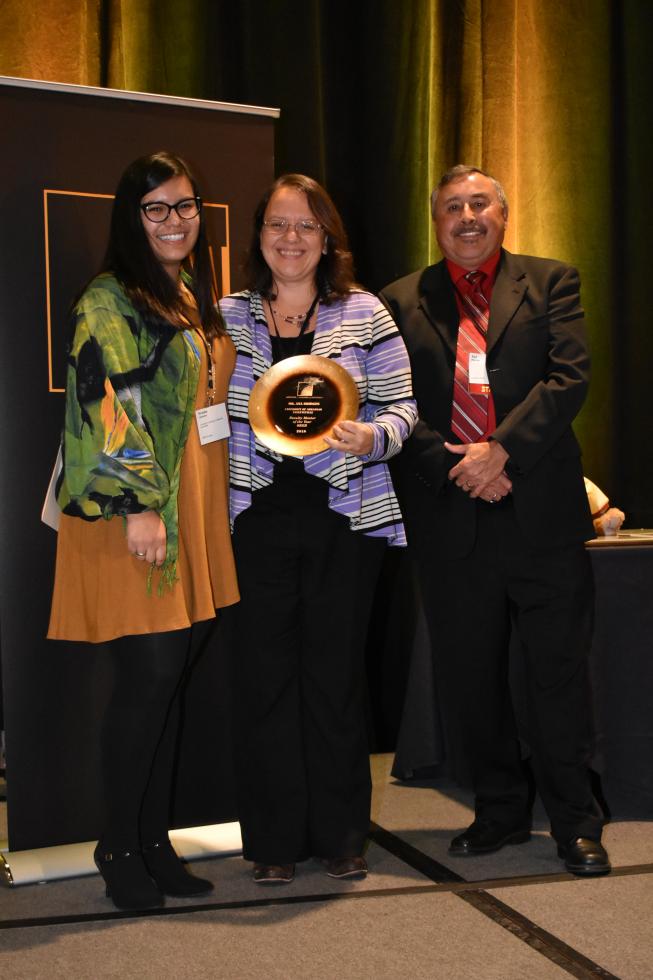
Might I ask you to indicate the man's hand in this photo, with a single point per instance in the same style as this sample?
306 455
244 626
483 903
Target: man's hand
481 470
496 490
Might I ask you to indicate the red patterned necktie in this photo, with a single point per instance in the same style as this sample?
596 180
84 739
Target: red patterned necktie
469 415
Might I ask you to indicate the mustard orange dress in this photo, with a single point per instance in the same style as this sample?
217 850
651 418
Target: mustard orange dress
100 590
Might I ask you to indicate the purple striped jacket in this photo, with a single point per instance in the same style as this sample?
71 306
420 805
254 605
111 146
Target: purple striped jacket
358 333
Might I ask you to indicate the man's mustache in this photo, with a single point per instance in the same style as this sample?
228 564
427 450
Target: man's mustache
470 228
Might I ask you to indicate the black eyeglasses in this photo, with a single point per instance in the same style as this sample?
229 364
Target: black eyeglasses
159 211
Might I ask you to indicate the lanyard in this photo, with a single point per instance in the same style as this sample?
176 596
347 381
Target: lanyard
210 388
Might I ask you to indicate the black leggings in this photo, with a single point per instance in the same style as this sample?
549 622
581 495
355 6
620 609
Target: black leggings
140 732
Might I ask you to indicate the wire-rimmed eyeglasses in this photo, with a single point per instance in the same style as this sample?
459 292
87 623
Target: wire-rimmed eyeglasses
158 211
279 226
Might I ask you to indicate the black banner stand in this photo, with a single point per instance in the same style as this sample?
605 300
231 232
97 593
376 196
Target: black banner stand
65 147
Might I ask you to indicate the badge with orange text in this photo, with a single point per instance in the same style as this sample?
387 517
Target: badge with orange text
478 382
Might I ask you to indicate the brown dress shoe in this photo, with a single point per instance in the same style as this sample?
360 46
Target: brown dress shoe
353 867
274 874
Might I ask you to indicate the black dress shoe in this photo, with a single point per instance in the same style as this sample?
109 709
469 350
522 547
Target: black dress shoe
274 874
485 836
128 882
170 874
353 867
583 856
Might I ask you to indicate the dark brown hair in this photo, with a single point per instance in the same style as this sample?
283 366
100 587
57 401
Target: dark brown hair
334 275
130 257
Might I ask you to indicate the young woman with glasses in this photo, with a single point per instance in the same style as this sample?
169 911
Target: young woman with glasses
144 553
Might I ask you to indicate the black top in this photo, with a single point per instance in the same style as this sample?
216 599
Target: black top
283 347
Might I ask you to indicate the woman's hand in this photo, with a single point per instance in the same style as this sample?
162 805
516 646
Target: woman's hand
146 537
352 437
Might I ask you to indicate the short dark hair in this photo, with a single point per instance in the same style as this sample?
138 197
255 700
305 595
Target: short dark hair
463 170
130 258
335 271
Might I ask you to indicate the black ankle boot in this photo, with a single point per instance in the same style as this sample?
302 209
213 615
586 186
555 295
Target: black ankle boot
128 882
171 874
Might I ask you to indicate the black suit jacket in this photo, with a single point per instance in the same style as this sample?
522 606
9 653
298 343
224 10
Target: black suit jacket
538 366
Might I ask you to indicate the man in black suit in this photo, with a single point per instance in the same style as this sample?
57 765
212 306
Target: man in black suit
492 493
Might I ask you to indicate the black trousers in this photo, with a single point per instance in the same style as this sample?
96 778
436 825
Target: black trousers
140 732
472 605
302 764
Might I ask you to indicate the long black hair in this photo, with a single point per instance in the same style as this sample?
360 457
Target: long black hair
130 258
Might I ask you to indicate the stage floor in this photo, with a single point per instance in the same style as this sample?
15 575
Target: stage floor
419 914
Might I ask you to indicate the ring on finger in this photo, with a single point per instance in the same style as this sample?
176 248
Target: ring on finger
140 554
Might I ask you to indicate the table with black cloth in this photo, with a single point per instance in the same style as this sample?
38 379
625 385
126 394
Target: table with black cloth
621 671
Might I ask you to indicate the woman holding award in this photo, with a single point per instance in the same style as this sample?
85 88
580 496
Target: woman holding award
144 500
313 508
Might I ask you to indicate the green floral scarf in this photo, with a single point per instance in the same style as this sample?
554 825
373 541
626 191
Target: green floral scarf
130 399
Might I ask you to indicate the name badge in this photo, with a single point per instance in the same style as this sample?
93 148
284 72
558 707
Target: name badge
478 382
212 423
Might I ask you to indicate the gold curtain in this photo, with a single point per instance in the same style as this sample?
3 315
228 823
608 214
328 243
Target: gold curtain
152 46
57 40
139 45
379 97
